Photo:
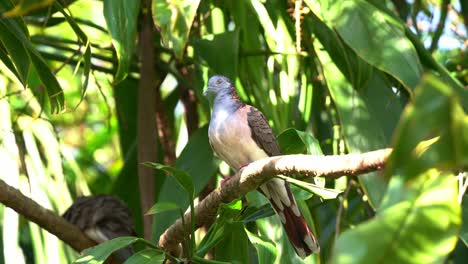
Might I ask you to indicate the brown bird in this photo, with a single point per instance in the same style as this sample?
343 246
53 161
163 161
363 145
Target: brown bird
240 134
102 218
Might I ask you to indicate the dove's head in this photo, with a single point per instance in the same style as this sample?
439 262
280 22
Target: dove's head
218 85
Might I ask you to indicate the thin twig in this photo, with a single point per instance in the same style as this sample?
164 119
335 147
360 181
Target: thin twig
440 26
340 209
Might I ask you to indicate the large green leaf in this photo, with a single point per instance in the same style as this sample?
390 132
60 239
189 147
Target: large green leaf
420 217
377 38
221 52
367 117
419 226
174 19
121 18
198 161
234 245
15 49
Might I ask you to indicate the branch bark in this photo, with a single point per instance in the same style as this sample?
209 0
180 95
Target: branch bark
43 217
252 176
146 128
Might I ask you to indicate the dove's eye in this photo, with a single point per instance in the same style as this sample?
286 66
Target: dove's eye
219 81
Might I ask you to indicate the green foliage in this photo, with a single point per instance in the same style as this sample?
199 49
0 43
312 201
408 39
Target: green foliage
420 217
121 18
347 77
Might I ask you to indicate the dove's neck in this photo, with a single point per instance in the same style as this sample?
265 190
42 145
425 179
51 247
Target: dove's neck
226 101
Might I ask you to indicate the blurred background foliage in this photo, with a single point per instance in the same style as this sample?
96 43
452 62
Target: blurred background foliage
348 76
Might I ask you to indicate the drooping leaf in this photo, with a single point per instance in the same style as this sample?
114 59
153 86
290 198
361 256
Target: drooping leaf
16 50
121 18
175 19
266 251
87 46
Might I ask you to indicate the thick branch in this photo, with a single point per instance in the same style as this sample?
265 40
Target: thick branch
45 218
262 170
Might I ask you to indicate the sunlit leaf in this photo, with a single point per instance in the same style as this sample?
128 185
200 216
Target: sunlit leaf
325 193
368 117
182 177
25 6
378 39
147 256
162 207
419 218
175 19
121 18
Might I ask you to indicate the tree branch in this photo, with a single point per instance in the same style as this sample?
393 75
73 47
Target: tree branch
44 218
252 176
146 125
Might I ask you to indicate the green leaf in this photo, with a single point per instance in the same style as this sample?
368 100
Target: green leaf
293 141
378 39
221 52
101 252
121 18
367 117
235 245
87 45
13 29
420 217
25 6
214 235
258 213
182 177
325 193
197 259
266 251
419 226
162 207
197 160
440 138
464 228
146 256
175 19
17 51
